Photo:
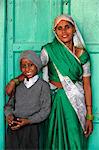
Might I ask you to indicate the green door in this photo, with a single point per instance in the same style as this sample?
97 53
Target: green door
29 26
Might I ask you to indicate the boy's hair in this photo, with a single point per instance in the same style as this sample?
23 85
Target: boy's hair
31 55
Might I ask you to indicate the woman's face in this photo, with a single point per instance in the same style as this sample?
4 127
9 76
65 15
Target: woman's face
28 68
65 31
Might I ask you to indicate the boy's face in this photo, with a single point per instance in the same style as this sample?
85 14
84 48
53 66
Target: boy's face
28 68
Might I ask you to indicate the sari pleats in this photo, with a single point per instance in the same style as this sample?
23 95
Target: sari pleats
64 131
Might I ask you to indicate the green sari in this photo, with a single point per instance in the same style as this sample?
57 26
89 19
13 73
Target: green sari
62 130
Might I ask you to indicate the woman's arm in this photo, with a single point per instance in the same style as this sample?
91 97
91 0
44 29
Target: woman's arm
88 94
14 82
88 102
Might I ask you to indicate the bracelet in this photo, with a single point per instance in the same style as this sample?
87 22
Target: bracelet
89 117
16 81
88 105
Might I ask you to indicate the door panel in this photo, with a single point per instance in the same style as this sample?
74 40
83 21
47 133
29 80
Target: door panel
29 27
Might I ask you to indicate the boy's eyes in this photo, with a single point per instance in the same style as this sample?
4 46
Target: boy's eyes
30 65
26 65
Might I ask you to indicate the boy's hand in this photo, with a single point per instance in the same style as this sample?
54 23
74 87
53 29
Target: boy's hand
19 123
9 119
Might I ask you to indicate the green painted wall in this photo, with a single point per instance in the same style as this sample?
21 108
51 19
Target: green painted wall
86 13
2 69
29 26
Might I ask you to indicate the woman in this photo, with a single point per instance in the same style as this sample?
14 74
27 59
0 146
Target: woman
69 71
66 62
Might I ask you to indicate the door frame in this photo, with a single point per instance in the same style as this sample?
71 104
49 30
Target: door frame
2 69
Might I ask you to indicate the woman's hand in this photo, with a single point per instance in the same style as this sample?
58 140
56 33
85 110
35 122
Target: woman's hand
21 77
88 128
11 85
19 123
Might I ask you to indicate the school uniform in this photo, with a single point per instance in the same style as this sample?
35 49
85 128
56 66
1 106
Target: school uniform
31 101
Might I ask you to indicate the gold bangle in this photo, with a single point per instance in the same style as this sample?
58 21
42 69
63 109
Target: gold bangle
88 105
16 81
89 117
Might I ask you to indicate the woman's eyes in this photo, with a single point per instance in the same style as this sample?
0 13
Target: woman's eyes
59 28
65 27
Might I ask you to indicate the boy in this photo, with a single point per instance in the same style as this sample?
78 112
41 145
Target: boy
29 105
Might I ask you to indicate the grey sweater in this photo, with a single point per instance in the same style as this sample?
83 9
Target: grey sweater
33 103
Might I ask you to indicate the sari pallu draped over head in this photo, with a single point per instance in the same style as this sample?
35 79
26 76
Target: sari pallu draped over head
69 69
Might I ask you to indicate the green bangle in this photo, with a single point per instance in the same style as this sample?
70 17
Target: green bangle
89 117
16 81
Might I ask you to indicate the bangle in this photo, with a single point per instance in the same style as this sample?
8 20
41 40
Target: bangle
16 81
89 117
88 105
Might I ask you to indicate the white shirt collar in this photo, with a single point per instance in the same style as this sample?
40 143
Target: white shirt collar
31 81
